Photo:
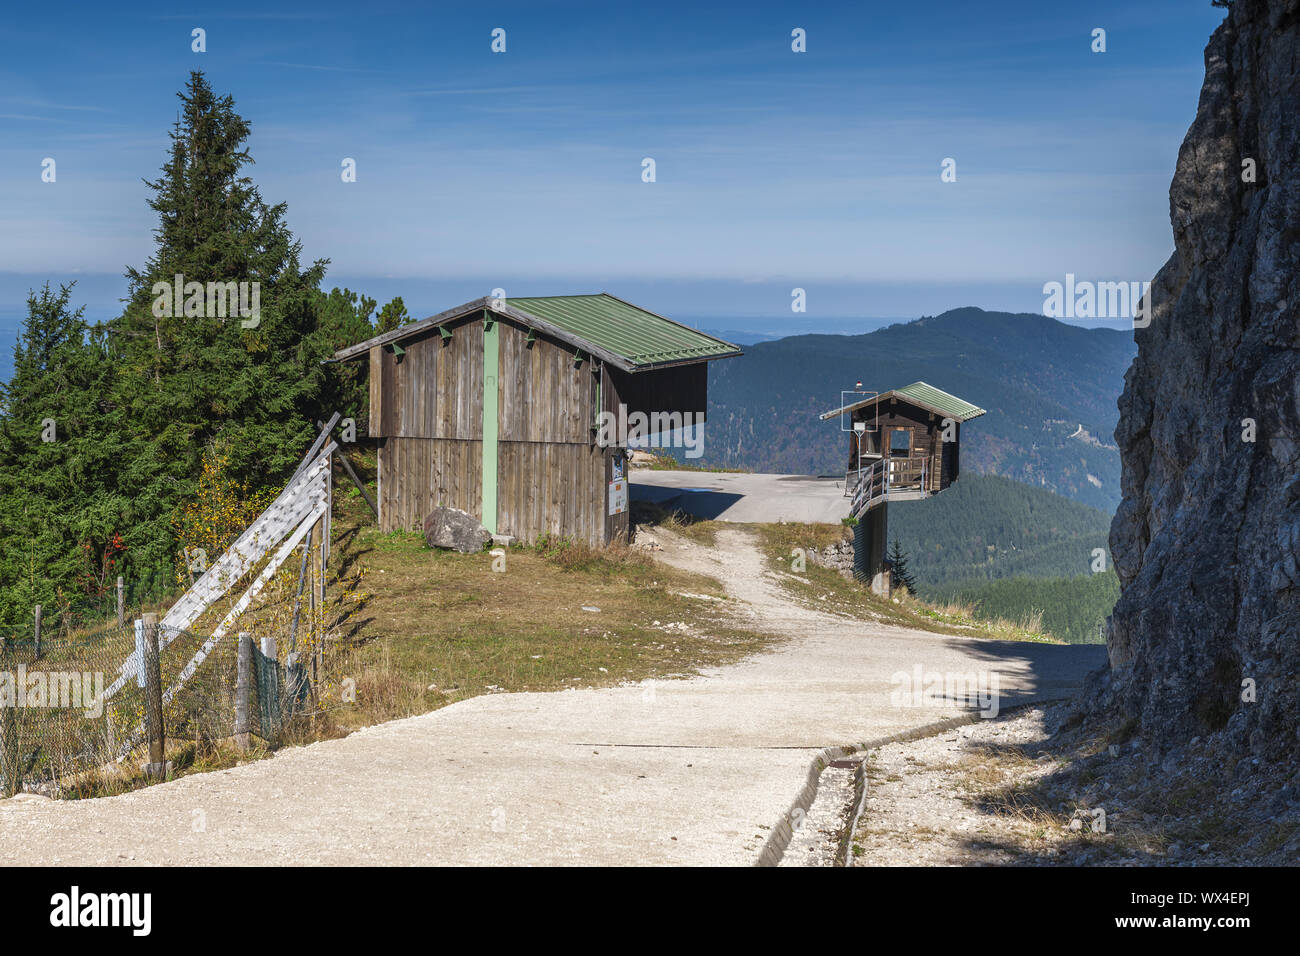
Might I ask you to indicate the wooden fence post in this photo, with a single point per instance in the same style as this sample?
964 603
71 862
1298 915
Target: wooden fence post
11 776
313 664
294 680
36 629
121 601
153 706
243 690
268 688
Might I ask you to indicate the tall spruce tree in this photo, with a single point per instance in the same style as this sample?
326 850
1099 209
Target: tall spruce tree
250 385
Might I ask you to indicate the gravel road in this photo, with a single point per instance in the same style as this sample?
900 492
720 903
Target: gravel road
670 772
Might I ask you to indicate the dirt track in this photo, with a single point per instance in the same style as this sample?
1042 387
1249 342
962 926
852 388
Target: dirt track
675 772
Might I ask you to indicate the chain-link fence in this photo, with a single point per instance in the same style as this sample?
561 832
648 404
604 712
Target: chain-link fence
73 717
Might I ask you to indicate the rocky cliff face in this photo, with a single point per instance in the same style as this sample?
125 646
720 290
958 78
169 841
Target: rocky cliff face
1207 539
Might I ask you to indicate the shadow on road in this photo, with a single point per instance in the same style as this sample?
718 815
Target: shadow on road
1055 670
701 503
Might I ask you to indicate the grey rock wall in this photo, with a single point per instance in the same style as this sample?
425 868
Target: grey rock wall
1207 538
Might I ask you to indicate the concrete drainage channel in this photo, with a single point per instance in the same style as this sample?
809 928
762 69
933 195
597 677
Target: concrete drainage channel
808 812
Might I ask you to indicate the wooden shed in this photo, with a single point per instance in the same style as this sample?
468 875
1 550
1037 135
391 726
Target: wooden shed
903 445
495 407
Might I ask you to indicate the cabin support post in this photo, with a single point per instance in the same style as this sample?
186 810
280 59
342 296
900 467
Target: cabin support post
870 548
491 369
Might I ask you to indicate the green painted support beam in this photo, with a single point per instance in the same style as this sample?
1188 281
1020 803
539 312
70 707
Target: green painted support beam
491 369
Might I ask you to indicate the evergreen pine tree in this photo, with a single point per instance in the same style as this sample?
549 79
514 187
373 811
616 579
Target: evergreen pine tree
186 382
345 319
61 518
392 316
898 568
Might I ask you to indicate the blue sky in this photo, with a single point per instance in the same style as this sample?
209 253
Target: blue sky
523 169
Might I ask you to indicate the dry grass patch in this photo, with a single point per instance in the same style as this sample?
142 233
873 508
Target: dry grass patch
436 627
828 590
648 515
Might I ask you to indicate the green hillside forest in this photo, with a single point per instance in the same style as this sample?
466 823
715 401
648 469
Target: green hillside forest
1050 390
1073 609
1010 550
985 527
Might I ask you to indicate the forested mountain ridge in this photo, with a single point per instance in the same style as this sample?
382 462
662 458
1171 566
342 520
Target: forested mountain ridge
1050 390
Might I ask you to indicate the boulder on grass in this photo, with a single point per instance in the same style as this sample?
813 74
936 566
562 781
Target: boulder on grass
455 529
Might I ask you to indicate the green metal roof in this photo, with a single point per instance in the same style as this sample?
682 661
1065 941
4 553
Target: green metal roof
640 337
611 329
939 400
920 393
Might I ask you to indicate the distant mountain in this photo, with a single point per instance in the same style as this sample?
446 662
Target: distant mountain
740 337
1050 390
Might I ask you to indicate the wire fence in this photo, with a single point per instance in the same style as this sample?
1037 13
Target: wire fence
67 617
73 718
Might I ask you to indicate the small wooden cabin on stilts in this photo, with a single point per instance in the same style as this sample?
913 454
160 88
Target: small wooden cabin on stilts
496 407
904 445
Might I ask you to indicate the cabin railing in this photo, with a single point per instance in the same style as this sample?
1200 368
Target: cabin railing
908 473
873 483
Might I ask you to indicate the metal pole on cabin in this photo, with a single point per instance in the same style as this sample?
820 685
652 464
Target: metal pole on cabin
243 690
153 712
36 630
121 601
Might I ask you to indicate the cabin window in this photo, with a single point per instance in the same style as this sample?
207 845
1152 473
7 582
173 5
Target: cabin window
900 442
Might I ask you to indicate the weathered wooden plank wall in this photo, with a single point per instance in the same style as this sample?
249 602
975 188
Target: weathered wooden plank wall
419 474
951 453
552 488
434 390
550 472
552 478
544 394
